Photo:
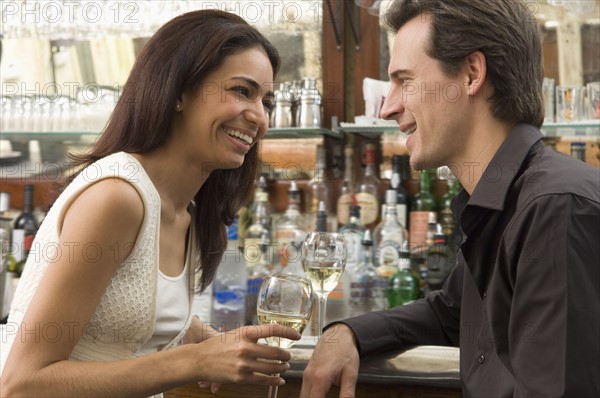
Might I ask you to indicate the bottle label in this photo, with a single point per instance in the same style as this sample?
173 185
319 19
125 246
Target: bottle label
251 298
388 254
288 244
447 220
261 196
252 253
369 207
353 249
343 208
401 212
418 227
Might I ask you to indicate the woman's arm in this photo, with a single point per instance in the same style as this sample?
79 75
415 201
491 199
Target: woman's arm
106 214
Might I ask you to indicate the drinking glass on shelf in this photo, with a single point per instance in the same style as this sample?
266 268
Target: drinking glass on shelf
284 299
567 103
324 259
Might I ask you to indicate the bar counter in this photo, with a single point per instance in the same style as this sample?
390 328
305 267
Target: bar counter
424 371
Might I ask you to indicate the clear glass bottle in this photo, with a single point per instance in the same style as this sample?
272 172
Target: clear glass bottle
260 224
230 285
388 237
290 231
353 231
345 199
404 285
368 190
256 275
321 218
317 190
367 289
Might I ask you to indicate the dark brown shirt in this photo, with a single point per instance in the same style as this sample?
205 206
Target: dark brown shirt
523 303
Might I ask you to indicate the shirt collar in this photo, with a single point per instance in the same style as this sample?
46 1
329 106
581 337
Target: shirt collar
491 190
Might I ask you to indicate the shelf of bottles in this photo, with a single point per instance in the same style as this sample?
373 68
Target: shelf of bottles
589 129
301 132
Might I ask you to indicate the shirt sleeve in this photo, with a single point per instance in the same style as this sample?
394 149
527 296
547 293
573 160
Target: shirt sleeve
553 255
433 320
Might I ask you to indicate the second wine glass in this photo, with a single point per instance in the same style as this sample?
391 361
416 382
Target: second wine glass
285 300
324 259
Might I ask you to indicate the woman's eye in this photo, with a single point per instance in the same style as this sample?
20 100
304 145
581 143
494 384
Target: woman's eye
241 90
268 105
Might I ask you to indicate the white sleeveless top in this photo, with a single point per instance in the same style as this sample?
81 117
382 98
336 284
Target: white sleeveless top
172 310
124 320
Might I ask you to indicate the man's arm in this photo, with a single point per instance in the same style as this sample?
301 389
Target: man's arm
336 358
554 319
433 320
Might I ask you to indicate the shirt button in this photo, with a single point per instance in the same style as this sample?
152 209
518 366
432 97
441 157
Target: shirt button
481 359
485 293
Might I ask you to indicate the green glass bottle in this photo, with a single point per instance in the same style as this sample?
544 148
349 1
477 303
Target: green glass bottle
404 286
421 207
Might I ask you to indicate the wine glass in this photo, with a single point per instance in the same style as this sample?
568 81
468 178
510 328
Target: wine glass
285 300
323 258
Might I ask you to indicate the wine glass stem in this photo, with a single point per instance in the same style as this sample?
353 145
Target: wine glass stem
321 317
273 389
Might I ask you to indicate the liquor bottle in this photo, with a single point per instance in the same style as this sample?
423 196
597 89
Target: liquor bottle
388 238
404 285
260 224
422 205
25 227
367 289
345 200
441 259
401 194
353 232
317 190
290 231
258 235
230 285
431 229
368 190
449 224
256 275
321 218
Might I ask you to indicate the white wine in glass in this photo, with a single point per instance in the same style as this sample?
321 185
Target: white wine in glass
324 259
285 300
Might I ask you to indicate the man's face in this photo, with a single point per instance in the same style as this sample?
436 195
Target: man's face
427 104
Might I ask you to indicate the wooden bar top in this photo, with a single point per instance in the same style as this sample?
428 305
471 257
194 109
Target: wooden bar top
424 371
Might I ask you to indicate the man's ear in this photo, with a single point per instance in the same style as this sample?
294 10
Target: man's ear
476 72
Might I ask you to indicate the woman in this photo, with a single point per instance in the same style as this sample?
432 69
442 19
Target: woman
104 303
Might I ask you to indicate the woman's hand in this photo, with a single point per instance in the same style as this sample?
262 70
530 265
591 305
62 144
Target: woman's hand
198 331
236 357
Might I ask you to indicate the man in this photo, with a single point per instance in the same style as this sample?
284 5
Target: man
523 303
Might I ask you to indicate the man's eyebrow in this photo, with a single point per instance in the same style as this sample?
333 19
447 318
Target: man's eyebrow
399 72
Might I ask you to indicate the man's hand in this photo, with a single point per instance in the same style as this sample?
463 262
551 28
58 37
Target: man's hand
335 361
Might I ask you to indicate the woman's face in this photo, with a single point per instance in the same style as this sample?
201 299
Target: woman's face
217 125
